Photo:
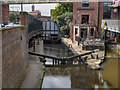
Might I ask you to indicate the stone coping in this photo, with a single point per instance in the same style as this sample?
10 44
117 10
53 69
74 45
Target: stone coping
12 27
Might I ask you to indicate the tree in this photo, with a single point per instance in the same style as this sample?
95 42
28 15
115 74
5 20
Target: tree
62 8
12 17
103 29
64 21
63 16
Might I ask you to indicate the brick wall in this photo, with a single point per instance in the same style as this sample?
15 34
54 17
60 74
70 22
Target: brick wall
24 21
93 13
0 13
13 48
0 60
5 13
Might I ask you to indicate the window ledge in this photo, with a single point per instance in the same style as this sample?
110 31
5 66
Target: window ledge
85 8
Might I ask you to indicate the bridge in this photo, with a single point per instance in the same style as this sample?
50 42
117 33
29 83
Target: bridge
48 1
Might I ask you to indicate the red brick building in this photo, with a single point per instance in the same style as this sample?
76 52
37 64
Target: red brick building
5 13
87 18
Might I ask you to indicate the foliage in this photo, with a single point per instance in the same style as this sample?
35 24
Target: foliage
12 17
63 16
62 8
104 24
64 21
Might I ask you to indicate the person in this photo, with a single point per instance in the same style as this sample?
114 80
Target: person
79 40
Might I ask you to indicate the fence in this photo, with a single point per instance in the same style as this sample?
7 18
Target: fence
34 25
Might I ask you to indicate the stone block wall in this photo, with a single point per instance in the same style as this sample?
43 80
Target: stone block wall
13 54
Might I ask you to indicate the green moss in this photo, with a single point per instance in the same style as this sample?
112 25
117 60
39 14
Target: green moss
14 27
42 79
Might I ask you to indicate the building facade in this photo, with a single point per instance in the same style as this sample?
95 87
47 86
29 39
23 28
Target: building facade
113 24
87 19
5 13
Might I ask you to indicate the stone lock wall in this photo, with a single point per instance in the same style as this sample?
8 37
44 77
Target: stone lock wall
13 50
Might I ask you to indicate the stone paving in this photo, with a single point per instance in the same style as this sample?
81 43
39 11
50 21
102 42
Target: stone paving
92 63
35 74
78 49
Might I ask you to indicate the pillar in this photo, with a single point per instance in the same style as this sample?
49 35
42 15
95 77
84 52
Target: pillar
24 21
80 31
94 32
73 35
88 32
71 32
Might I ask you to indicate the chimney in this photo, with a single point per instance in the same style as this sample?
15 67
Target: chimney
33 7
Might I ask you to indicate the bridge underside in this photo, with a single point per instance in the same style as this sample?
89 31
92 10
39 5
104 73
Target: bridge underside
47 1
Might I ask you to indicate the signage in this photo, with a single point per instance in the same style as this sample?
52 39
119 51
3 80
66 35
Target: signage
115 10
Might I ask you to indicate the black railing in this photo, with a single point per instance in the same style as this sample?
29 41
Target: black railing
34 25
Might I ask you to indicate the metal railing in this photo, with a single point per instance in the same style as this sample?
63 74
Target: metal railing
112 25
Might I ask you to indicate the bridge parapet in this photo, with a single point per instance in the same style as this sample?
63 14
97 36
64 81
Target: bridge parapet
50 1
33 26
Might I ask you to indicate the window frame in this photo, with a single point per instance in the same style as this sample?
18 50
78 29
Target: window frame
84 3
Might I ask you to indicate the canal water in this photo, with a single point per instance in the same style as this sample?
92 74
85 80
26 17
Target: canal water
79 76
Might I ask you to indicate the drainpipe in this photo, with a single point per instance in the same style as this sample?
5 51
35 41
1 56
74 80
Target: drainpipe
21 6
98 18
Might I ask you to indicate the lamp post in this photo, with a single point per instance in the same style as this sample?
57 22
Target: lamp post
105 30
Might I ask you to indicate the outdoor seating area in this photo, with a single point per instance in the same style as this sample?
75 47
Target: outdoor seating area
92 44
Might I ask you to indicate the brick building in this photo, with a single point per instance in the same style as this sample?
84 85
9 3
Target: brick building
113 24
87 18
5 13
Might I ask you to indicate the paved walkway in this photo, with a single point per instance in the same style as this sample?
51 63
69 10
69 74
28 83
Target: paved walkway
78 49
34 75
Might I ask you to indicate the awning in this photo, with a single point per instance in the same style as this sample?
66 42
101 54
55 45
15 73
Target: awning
115 5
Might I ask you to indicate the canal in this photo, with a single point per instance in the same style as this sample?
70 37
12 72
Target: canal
78 76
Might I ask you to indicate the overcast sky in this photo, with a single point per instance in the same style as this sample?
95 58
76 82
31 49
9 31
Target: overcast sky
43 8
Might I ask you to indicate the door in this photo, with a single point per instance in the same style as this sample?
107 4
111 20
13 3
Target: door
84 33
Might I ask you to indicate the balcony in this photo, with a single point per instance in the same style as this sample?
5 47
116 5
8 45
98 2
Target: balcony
112 25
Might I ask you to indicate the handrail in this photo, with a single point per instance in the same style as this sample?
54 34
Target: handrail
63 58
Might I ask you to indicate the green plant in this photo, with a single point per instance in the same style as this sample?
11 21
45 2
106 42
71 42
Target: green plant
103 28
12 17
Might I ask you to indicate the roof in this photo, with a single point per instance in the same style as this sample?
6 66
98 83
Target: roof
36 11
115 5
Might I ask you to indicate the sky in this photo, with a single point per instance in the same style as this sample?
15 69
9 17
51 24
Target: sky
43 8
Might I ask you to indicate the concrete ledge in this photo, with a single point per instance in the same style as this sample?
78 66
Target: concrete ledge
12 27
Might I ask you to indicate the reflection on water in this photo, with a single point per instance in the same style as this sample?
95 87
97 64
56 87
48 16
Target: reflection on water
110 72
79 76
56 82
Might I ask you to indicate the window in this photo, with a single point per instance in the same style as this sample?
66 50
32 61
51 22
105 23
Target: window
85 4
85 19
92 31
75 22
107 10
76 30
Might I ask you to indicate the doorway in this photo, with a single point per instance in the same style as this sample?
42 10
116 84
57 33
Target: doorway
84 33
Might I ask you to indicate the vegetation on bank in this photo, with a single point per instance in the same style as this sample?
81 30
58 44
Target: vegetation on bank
113 51
63 16
103 29
12 17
